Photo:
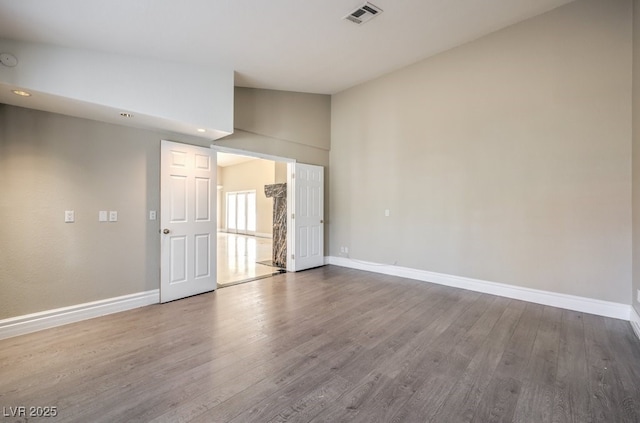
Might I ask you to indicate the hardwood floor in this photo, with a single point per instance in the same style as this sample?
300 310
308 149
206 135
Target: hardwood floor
329 345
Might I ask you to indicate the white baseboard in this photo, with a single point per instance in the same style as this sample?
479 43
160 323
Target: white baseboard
569 302
28 323
635 321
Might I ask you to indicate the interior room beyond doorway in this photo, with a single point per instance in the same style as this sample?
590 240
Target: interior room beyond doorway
242 258
245 217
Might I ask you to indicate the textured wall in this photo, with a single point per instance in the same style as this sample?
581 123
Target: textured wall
506 159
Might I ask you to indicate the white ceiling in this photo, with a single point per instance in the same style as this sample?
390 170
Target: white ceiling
290 45
226 159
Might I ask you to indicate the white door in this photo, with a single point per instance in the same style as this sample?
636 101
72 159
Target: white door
307 221
187 223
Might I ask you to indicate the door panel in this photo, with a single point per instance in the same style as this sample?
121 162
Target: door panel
203 199
202 243
178 256
308 221
188 257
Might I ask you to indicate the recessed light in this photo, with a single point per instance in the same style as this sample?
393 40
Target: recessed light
201 130
21 93
125 114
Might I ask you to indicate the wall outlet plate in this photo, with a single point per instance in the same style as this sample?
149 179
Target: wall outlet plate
69 216
102 216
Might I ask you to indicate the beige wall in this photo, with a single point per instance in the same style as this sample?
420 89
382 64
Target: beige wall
247 176
281 173
50 163
506 159
636 155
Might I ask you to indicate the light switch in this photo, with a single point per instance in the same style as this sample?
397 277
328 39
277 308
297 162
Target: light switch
113 216
102 216
152 215
69 216
386 212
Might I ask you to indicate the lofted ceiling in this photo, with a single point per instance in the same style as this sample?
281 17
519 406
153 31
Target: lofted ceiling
289 45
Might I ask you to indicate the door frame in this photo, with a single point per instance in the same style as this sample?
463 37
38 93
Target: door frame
290 234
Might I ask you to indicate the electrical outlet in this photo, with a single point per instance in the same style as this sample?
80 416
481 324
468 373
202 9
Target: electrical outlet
152 215
69 216
387 212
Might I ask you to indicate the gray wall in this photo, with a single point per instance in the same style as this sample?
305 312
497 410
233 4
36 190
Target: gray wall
636 155
50 163
285 124
506 159
297 117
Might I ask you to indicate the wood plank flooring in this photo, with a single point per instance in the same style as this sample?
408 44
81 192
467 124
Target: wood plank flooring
329 345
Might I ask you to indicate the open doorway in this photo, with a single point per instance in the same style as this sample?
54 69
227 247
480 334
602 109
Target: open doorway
245 217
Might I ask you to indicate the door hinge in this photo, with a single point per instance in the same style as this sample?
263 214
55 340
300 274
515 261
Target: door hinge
293 215
293 256
293 176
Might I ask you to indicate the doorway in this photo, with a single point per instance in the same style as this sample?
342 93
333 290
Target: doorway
245 227
188 203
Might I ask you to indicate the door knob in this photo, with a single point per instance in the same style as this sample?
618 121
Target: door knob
165 231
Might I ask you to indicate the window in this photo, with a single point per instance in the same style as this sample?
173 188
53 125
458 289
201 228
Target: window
241 212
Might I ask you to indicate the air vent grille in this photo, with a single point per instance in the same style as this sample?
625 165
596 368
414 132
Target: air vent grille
363 14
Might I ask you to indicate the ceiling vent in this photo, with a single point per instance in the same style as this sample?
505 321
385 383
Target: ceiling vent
364 13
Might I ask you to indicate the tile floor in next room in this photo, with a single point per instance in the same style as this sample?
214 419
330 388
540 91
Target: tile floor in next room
239 257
